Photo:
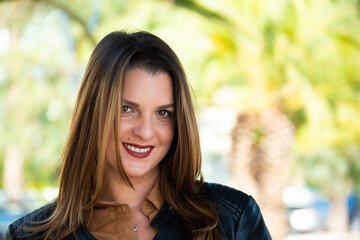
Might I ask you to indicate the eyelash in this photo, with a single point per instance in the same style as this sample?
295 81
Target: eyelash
169 114
161 113
125 106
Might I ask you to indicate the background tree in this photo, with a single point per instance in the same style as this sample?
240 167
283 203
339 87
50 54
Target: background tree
288 56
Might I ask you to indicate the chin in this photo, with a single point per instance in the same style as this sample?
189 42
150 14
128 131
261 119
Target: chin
139 172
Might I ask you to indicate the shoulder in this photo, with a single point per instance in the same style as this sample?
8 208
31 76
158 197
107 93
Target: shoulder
227 197
18 228
239 214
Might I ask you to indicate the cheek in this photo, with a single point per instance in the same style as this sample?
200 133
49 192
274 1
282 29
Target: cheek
124 129
167 135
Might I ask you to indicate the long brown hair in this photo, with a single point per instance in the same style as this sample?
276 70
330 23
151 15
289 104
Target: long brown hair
97 111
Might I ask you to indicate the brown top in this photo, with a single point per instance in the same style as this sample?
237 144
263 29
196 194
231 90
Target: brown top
111 220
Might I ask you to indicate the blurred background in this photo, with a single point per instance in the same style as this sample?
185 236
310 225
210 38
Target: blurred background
276 86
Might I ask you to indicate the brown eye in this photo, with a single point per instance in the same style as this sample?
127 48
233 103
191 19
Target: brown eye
126 109
164 113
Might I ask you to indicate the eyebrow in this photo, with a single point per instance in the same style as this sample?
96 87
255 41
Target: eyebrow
167 105
138 105
130 103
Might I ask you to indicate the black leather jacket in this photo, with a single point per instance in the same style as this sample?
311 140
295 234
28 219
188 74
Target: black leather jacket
239 218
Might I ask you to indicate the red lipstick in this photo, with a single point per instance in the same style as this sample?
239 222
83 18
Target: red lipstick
138 151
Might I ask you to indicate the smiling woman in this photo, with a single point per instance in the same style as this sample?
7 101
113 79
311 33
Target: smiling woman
131 166
146 125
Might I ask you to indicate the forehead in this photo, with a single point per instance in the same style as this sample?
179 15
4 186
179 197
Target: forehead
143 86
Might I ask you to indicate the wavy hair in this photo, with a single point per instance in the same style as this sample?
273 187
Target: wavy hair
97 111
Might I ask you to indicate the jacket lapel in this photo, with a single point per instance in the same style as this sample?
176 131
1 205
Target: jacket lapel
169 224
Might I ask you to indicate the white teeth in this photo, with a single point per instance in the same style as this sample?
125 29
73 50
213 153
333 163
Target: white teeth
138 150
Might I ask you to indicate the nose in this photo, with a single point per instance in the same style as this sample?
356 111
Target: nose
144 128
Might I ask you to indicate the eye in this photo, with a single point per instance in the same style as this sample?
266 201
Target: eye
126 109
164 113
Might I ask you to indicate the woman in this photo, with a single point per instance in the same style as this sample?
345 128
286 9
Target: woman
132 158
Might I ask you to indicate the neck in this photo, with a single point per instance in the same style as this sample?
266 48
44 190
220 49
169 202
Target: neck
116 190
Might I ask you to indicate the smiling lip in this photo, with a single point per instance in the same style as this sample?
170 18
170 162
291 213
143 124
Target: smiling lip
138 151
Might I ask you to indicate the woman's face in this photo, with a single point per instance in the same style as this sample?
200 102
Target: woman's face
147 124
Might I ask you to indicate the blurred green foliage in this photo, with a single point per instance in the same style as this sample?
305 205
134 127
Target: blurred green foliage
300 56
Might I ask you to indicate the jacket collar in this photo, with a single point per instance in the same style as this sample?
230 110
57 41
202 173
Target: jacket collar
163 217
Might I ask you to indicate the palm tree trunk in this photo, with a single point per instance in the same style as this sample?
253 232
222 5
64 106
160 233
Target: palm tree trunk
261 160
